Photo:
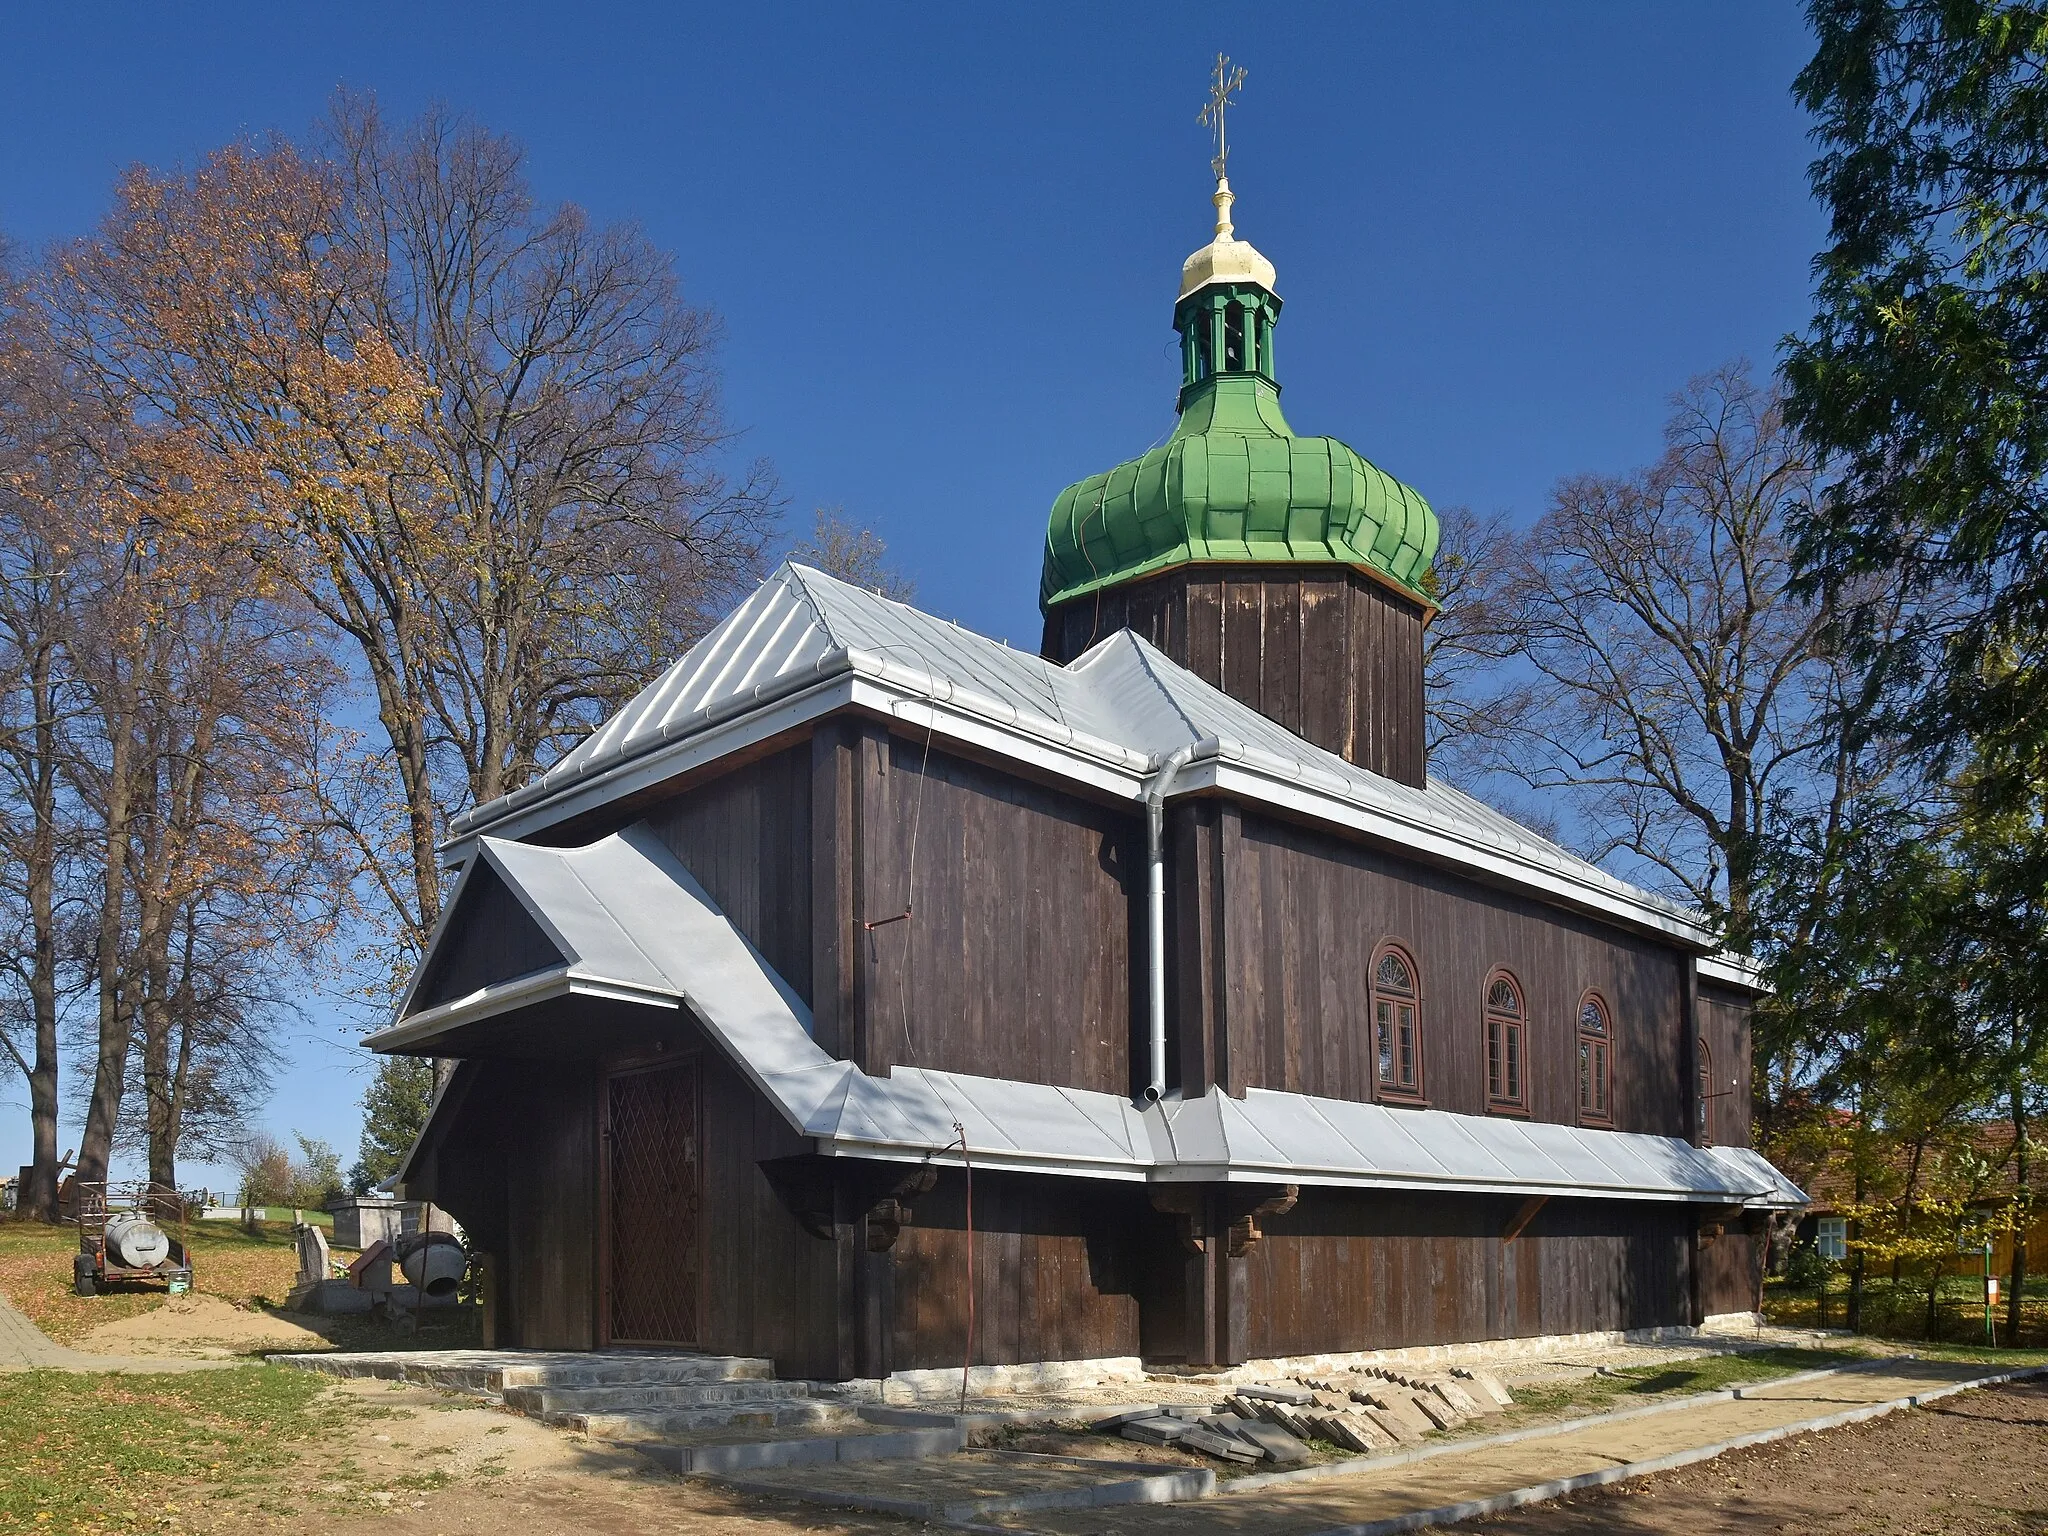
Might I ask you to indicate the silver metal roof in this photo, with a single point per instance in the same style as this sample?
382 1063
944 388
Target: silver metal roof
631 922
1114 714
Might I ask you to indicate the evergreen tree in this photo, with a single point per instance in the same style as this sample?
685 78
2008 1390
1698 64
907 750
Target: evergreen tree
394 1112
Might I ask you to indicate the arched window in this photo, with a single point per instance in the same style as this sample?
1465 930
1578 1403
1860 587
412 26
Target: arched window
1596 1061
1233 339
1397 1024
1507 1085
1706 1110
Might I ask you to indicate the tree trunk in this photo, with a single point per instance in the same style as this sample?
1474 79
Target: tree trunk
2023 1206
39 1199
115 1014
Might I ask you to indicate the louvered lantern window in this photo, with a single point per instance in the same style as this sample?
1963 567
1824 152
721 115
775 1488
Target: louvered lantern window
1506 1060
1396 1014
1596 1067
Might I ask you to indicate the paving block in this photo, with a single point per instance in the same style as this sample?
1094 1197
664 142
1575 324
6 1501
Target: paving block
1433 1408
1222 1447
1461 1401
1157 1431
1280 1447
1401 1407
1118 1420
1492 1386
1286 1416
1390 1426
1296 1396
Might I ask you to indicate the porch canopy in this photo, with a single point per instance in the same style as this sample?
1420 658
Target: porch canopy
542 950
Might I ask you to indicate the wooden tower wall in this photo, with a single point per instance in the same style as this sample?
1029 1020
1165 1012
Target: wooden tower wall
1327 651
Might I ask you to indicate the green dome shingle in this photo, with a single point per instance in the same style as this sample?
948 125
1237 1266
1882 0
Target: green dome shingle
1234 483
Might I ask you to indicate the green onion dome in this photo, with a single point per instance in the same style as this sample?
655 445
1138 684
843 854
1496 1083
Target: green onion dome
1233 483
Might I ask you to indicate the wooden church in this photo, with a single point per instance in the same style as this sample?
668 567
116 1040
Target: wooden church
1145 997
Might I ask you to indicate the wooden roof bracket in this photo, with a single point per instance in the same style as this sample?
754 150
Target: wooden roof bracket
1521 1219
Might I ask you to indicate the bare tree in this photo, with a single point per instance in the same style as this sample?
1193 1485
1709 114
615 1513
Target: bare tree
1672 682
38 816
1472 632
840 547
574 430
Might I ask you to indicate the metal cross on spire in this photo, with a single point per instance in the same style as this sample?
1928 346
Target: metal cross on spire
1224 83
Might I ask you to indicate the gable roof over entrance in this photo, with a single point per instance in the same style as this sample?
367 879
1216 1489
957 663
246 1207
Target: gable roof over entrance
805 644
626 921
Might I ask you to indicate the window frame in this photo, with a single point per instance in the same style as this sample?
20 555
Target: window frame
1703 1087
1513 1057
1831 1232
1588 1042
1385 1090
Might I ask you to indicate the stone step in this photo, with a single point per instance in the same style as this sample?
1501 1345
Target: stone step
609 1370
660 1423
869 1443
545 1402
491 1373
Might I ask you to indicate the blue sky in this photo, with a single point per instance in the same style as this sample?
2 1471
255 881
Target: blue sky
945 239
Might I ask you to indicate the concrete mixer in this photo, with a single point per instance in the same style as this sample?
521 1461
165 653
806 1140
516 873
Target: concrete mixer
432 1261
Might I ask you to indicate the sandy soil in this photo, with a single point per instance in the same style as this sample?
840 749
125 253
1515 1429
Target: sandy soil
1971 1465
413 1462
198 1327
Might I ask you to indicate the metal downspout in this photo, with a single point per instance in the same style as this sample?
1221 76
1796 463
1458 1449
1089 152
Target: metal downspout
1155 902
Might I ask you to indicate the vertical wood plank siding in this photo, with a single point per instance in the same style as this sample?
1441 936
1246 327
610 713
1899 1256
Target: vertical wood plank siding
1724 1021
1731 1272
1058 1269
492 939
1284 1000
1017 960
1329 653
747 838
1351 1270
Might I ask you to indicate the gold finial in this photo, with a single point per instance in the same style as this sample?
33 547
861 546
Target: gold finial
1224 83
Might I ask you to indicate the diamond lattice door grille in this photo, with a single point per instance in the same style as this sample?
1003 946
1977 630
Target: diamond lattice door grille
654 1206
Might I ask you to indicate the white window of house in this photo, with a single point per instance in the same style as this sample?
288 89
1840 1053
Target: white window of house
1831 1239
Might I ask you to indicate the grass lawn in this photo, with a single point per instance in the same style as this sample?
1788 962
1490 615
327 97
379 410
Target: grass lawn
35 1273
128 1453
281 1213
1634 1385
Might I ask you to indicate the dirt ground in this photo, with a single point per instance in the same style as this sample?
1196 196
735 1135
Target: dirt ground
413 1462
1971 1465
198 1326
418 1463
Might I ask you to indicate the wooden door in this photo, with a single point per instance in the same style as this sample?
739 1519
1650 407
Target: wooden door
653 1271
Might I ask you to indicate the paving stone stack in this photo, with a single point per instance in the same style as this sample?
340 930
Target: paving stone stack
1274 1423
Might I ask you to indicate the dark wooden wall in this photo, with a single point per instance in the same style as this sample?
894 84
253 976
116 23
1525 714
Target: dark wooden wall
1731 1271
1017 959
1058 1265
1275 929
1724 1025
516 1164
1351 1270
1324 650
490 938
746 836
